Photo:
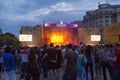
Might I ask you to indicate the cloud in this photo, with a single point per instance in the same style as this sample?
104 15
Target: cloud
30 16
12 4
36 14
10 13
63 7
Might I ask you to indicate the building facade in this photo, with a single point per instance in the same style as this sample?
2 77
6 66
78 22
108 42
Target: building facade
36 33
84 36
105 15
112 34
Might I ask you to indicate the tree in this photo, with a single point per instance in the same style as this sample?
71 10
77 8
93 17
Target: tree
9 39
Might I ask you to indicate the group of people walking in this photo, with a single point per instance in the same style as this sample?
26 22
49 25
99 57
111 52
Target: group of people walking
74 61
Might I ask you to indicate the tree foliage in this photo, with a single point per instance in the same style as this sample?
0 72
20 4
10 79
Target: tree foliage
9 39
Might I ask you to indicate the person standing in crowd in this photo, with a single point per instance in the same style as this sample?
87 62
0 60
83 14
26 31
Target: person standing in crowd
38 54
81 65
97 60
59 60
116 64
88 53
53 61
12 51
105 61
76 49
45 59
24 59
32 65
9 65
70 64
17 55
63 50
81 45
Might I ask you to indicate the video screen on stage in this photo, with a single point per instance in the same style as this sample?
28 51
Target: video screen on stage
95 37
25 37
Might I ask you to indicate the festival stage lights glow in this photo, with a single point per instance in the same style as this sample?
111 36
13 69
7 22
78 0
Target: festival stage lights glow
60 24
49 24
57 38
72 25
46 24
60 33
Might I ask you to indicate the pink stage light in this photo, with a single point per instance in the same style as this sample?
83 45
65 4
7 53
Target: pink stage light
72 25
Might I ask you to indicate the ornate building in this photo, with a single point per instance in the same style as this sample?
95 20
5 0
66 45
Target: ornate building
105 15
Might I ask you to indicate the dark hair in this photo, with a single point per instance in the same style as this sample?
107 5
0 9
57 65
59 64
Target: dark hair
32 51
51 45
26 76
7 49
88 50
81 51
57 46
70 46
45 46
80 42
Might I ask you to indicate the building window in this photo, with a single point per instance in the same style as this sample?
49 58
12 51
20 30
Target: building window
101 21
101 30
106 16
106 20
34 32
101 25
106 11
30 31
100 17
96 22
111 12
106 24
100 12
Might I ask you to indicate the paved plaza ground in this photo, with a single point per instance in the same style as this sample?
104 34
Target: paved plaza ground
61 73
60 76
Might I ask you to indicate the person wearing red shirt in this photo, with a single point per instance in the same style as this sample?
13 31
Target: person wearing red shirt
116 64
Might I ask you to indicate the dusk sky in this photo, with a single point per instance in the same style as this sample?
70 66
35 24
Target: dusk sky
17 13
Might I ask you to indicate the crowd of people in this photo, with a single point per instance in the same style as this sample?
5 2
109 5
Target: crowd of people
75 62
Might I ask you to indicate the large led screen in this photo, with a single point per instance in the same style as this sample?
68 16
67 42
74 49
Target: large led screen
95 37
25 37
